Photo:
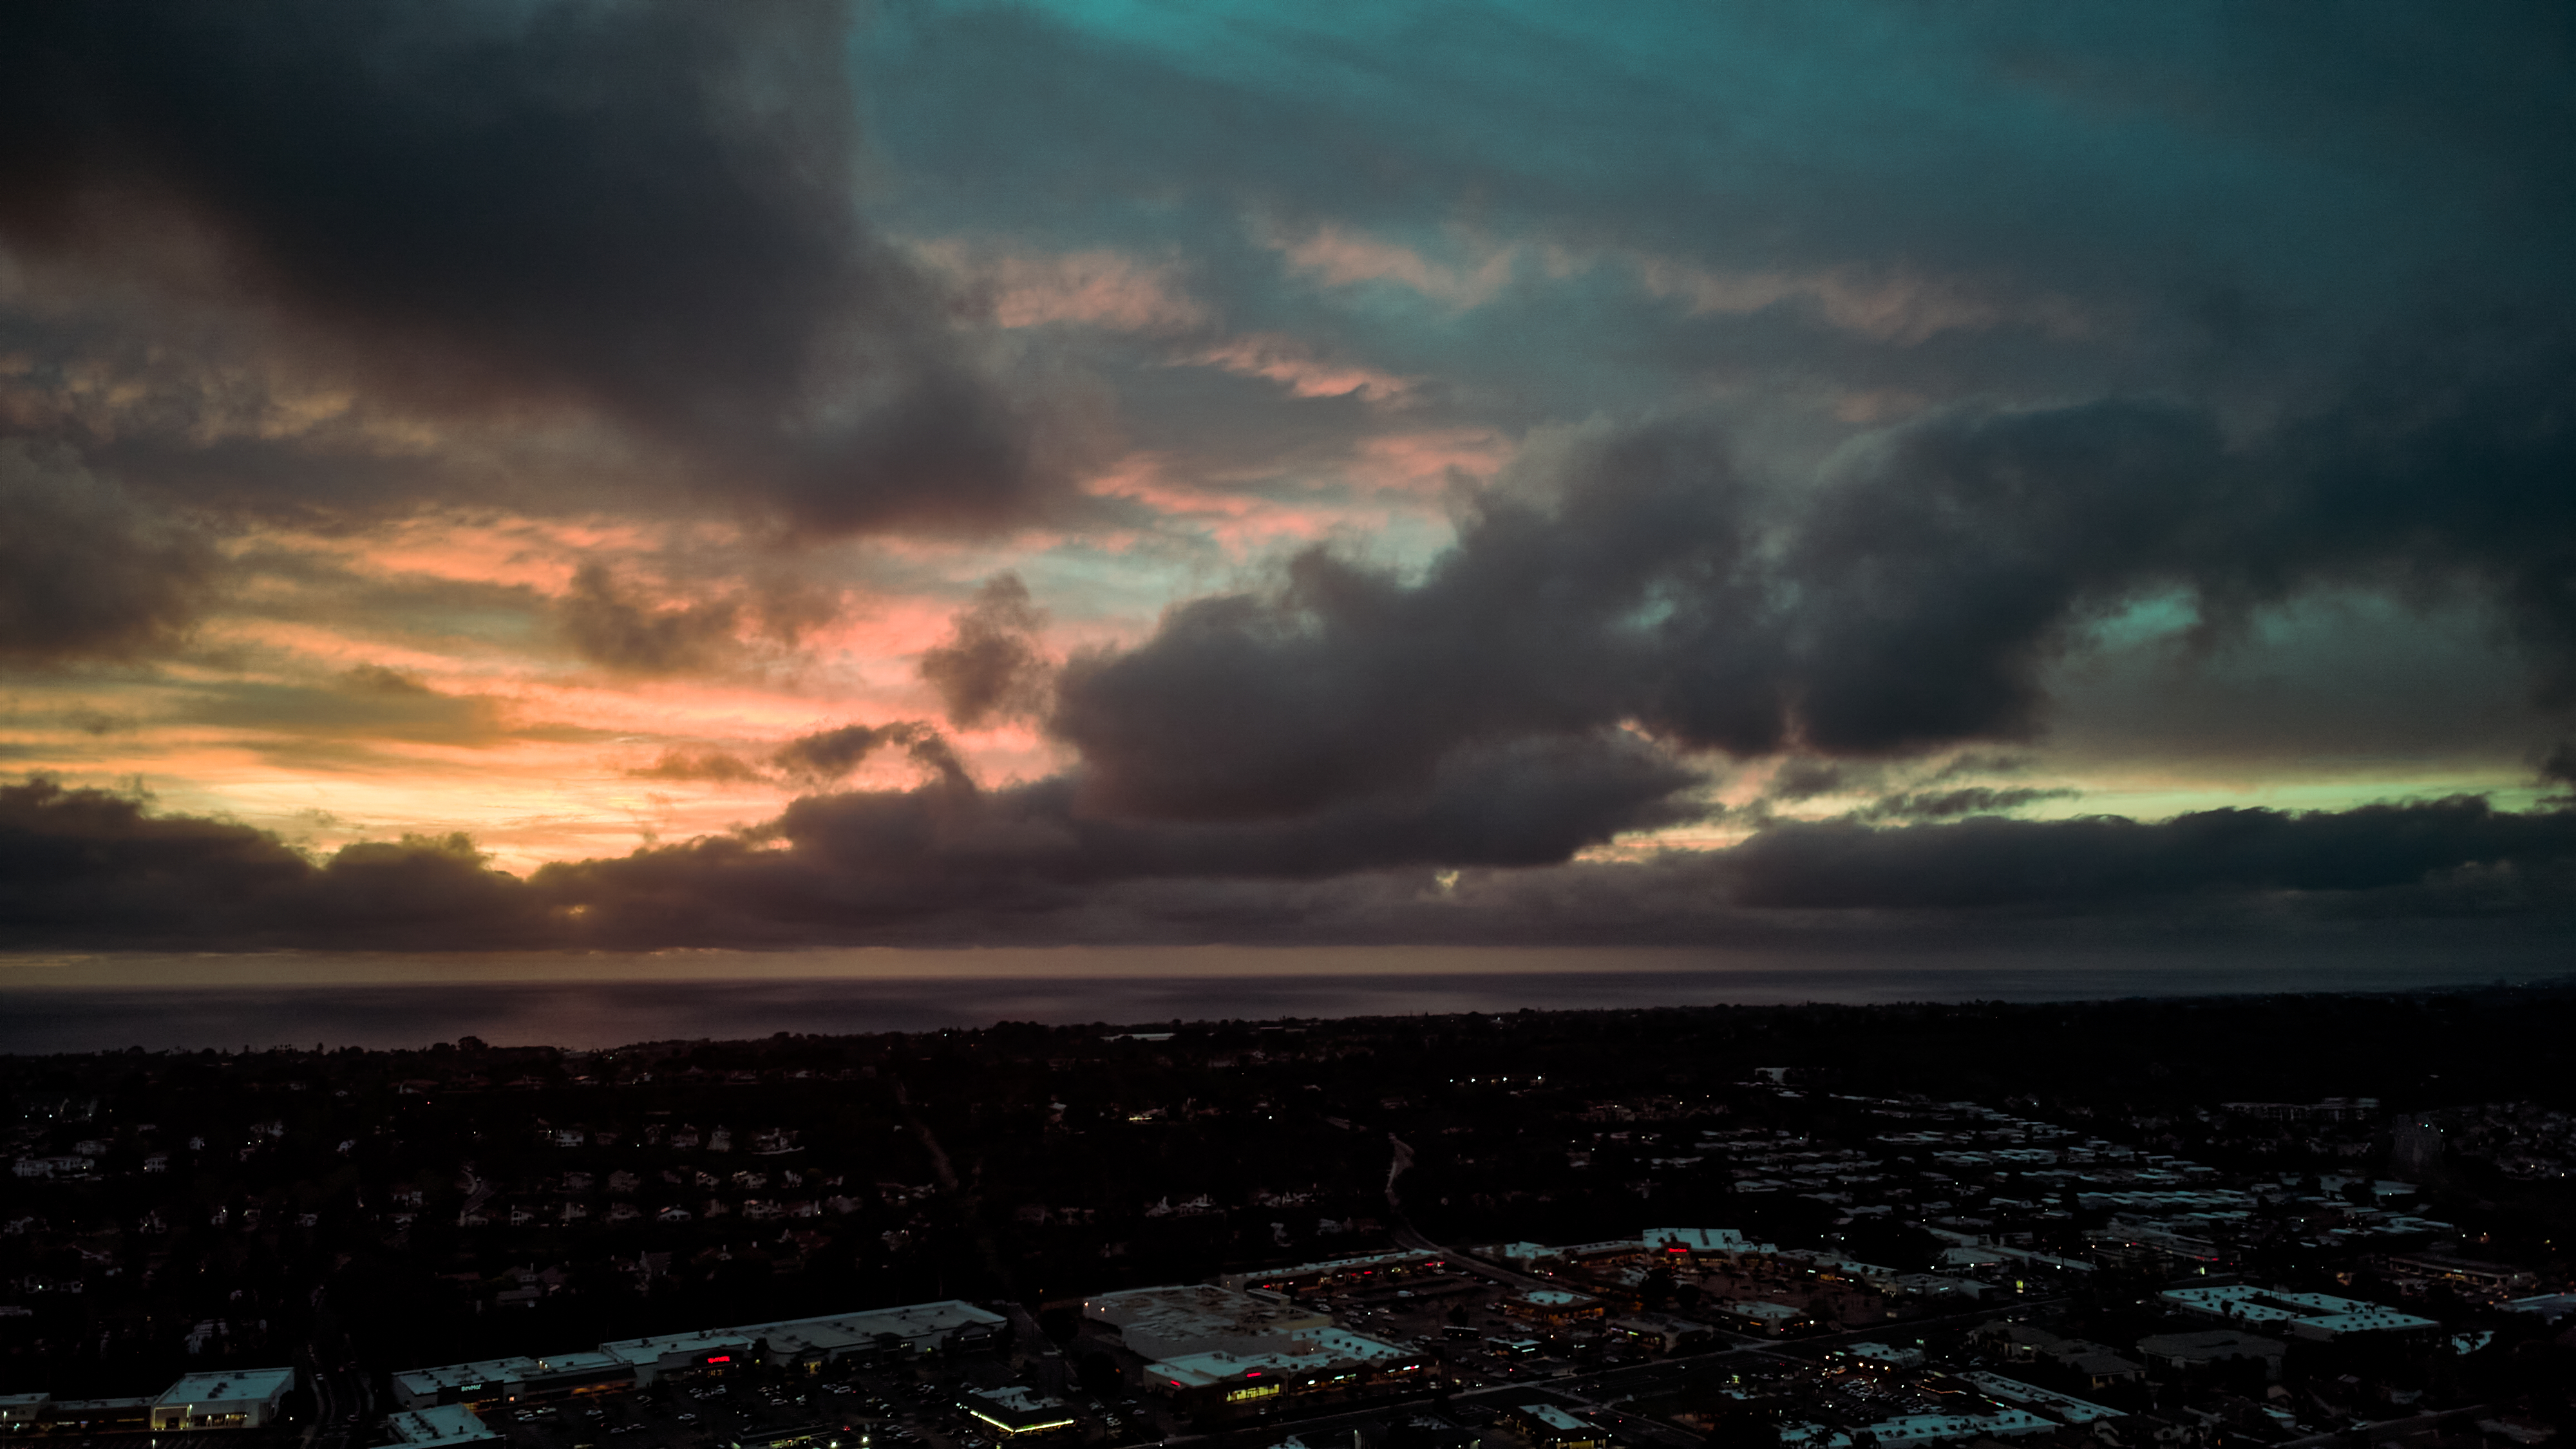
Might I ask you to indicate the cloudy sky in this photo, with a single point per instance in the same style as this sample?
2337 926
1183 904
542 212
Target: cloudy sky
531 474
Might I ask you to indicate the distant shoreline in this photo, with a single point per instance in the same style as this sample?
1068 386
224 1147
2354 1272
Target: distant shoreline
56 1010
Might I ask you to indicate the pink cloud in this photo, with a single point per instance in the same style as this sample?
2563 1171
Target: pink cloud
1426 462
1293 365
1098 288
1338 257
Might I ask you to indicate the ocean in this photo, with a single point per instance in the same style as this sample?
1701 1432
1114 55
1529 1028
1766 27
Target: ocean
105 1003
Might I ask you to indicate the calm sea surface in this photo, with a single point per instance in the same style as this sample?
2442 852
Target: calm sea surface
91 1004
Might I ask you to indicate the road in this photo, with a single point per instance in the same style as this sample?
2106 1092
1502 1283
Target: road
342 1402
2383 1430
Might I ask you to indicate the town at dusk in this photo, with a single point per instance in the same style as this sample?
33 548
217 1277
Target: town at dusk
1063 724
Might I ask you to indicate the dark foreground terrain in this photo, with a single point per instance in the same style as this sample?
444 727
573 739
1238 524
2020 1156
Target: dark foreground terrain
1884 1203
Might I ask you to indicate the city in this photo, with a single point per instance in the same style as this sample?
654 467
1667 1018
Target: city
1557 1230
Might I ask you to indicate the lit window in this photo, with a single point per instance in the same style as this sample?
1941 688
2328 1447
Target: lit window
1250 1391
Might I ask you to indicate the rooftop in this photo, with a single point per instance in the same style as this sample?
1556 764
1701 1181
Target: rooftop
466 1375
1553 1417
239 1386
436 1428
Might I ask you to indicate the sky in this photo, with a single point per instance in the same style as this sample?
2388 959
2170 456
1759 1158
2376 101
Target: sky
540 475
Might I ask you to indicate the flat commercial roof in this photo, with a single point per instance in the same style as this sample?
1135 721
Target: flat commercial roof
1317 1351
242 1386
438 1427
837 1333
1330 1266
1762 1310
465 1375
1703 1240
2318 1313
2066 1407
725 1342
1554 1417
1015 1410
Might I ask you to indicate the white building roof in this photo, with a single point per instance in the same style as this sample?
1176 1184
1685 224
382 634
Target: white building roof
1181 1321
244 1386
2315 1315
438 1427
1933 1428
838 1332
1762 1310
653 1349
1703 1240
2066 1408
1331 1266
1315 1351
464 1375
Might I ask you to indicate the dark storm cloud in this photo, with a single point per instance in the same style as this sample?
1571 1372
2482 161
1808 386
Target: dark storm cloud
1913 598
715 766
842 866
947 863
1991 863
84 867
1346 681
2560 766
826 756
87 572
641 210
1966 800
989 668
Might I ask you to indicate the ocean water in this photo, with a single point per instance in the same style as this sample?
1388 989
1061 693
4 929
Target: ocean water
70 1004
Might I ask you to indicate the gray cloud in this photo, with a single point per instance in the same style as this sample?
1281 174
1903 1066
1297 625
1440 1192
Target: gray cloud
1964 800
84 866
612 627
643 212
86 571
1465 862
989 667
1914 598
827 756
715 766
